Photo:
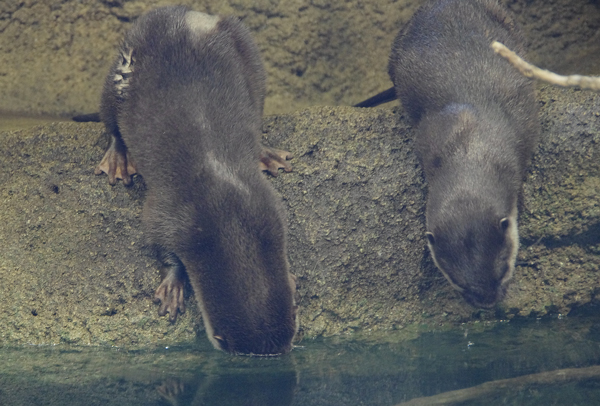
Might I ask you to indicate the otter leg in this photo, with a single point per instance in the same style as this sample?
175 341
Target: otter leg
271 160
170 292
117 162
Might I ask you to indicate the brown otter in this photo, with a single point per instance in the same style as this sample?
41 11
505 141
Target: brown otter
185 96
477 125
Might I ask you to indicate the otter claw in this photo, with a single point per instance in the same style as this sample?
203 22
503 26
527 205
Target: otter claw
271 160
170 295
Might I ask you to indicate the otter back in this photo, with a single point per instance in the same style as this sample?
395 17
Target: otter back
477 125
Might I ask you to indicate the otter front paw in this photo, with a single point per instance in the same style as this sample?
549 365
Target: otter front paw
170 295
271 160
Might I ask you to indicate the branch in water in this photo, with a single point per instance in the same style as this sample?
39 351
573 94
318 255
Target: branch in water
532 71
556 377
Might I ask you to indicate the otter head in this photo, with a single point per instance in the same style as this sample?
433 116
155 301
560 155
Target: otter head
476 253
237 265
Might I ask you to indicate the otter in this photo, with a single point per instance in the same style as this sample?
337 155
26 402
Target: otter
185 98
476 127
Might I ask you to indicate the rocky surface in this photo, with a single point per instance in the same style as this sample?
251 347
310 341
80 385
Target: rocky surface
54 55
73 268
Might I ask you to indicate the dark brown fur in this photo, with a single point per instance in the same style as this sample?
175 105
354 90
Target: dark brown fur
477 125
185 96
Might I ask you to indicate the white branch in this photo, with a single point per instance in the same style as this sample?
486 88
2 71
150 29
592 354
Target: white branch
531 71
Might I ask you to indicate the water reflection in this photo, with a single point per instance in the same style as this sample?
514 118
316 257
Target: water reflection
435 368
248 389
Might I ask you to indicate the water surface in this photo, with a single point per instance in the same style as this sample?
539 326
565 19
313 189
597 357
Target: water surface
384 370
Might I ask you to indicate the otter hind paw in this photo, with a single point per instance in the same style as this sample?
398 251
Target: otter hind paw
117 164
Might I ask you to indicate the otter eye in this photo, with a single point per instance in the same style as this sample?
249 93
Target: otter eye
430 238
504 223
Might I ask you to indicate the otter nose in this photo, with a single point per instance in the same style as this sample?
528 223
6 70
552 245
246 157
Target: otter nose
484 298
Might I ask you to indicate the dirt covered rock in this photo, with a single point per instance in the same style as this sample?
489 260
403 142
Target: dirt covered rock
73 267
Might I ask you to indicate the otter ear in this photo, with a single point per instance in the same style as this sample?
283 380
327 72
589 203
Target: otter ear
504 223
430 238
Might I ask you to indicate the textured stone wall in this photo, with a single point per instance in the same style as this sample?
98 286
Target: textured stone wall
54 54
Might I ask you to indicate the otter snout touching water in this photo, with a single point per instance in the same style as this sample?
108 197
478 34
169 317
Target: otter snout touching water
185 97
477 125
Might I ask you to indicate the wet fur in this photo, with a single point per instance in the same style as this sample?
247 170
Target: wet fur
190 113
477 125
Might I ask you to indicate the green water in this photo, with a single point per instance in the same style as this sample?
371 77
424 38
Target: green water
385 370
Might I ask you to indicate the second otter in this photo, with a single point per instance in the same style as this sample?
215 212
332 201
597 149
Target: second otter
185 96
477 126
